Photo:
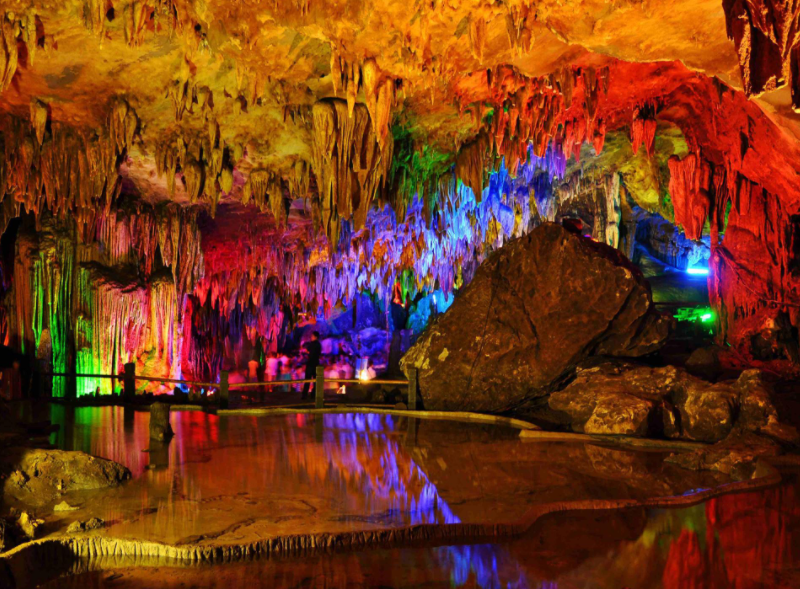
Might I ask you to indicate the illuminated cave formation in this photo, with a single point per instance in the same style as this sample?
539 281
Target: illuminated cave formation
186 177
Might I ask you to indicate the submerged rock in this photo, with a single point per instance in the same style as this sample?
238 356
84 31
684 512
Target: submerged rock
40 476
622 398
534 310
736 456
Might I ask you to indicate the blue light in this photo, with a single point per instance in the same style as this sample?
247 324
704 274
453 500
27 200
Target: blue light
697 271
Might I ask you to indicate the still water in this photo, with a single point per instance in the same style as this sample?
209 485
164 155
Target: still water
739 541
240 479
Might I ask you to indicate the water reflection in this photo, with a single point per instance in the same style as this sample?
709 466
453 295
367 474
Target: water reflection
240 479
358 459
742 541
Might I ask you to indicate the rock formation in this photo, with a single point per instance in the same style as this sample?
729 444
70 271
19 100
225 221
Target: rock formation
534 310
645 401
277 160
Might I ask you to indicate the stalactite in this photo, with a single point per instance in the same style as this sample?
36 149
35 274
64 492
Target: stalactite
471 164
26 28
9 57
688 187
94 15
643 128
39 116
67 172
477 35
349 164
766 36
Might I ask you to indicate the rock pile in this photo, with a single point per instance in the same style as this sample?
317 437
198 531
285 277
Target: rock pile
739 417
621 398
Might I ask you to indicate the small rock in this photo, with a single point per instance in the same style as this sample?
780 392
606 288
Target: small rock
64 506
704 362
93 524
27 524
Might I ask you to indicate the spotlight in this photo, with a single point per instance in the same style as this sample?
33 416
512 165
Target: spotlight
697 271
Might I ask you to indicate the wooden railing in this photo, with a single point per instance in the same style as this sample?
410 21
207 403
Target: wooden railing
224 385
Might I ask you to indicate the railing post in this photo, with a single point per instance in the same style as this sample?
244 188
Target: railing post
44 393
412 388
129 381
319 388
223 389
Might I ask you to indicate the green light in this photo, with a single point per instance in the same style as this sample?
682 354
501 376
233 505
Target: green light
696 315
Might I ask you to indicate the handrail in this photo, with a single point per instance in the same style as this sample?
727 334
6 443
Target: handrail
130 377
233 384
681 304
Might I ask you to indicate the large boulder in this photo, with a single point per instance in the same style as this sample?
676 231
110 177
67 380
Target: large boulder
535 309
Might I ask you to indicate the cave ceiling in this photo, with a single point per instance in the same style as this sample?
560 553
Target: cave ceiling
247 74
278 130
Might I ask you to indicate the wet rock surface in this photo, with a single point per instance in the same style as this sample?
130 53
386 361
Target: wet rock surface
736 456
623 398
39 476
534 310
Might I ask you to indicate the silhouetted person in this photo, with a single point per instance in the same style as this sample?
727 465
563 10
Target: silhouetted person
314 349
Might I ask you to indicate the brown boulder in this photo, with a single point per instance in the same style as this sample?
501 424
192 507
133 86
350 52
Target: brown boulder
705 363
707 411
535 309
619 399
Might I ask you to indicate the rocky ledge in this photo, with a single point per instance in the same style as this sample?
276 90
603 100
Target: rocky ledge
738 417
